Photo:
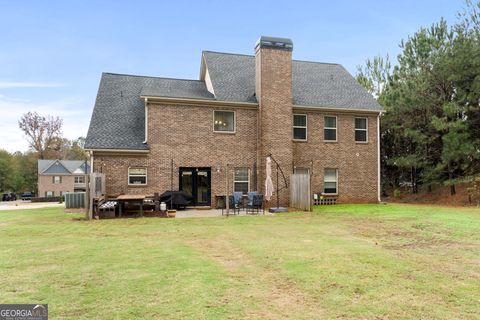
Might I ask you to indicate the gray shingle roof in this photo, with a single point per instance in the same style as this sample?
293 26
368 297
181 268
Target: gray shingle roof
314 84
232 75
118 119
60 166
177 88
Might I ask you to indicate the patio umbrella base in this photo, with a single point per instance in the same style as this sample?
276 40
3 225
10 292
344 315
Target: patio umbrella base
279 209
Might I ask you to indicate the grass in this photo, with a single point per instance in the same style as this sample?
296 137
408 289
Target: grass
344 261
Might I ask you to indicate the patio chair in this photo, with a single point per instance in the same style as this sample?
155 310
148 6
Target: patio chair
233 205
250 198
238 198
256 205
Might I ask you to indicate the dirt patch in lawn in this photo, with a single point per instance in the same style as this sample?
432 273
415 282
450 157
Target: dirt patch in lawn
75 210
275 296
397 235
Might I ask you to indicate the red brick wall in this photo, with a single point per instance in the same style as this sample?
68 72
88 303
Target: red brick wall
356 162
274 93
45 183
184 134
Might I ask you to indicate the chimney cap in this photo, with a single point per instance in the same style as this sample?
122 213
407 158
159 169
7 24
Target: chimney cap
274 43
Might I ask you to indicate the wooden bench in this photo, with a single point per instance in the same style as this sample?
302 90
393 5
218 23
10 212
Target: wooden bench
103 208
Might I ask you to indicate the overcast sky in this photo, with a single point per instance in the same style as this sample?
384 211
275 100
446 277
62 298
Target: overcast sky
52 53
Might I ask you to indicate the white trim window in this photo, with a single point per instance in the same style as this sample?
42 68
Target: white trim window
79 179
330 128
137 176
330 181
300 127
361 129
57 179
241 180
49 194
224 121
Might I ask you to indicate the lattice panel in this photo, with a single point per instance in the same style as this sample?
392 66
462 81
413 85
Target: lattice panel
324 201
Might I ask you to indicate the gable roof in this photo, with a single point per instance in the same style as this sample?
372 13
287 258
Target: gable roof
232 76
118 118
314 84
61 167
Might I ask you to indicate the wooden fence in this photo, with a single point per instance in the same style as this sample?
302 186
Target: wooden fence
300 192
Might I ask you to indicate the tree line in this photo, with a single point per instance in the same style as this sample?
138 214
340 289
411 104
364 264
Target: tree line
18 170
430 132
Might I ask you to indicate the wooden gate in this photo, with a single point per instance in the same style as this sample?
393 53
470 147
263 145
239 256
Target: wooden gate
97 184
300 193
95 188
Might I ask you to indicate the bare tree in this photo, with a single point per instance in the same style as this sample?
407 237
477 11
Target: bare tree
43 133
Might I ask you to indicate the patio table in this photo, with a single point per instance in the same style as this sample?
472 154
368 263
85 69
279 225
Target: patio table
136 199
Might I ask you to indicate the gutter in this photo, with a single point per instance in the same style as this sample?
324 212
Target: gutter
119 150
336 110
200 102
253 105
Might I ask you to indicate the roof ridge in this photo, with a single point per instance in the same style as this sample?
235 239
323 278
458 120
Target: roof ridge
60 161
229 53
153 77
317 62
249 55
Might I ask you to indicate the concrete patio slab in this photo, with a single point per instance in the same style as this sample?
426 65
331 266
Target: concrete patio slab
207 213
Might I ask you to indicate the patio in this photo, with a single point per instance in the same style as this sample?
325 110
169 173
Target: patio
209 213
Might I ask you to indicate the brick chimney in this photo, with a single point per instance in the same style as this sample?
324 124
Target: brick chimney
273 86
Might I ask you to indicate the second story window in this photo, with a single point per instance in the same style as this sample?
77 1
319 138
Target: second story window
79 179
224 121
361 131
300 127
330 129
57 179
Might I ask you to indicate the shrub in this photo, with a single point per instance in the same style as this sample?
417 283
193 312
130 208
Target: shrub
396 193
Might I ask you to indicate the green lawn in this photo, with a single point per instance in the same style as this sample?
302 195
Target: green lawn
344 261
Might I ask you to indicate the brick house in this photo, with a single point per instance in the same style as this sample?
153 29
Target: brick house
55 177
151 134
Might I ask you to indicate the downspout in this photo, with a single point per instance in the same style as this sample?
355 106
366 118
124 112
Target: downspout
378 160
146 120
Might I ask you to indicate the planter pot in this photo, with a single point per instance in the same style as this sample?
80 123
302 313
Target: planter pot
171 213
